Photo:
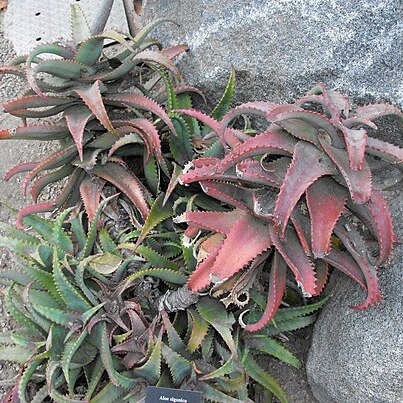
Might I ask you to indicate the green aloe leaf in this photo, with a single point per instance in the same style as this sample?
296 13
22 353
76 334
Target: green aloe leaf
170 276
227 368
57 316
181 144
25 378
259 375
215 313
109 393
16 313
211 394
108 245
105 263
70 295
297 312
117 378
69 350
155 259
17 354
174 340
152 175
179 366
95 378
200 329
271 346
79 26
157 214
225 102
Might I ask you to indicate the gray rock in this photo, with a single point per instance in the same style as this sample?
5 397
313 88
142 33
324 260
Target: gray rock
280 49
357 356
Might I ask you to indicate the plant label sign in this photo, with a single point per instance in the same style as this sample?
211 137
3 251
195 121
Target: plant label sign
168 395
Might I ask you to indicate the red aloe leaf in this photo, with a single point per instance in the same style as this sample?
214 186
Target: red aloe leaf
277 286
279 110
24 167
338 100
93 99
235 195
259 108
173 182
308 164
300 129
173 51
55 160
382 149
142 102
126 182
36 132
152 134
35 101
200 172
250 170
90 192
129 135
49 178
326 200
264 143
247 238
294 255
315 119
345 263
330 109
189 88
375 111
356 140
354 243
77 117
228 137
200 278
375 214
212 220
359 182
355 122
322 274
17 71
44 207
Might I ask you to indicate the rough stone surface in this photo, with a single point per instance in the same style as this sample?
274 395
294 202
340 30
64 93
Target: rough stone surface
29 23
280 49
357 356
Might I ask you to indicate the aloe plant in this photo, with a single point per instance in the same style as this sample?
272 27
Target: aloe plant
94 326
80 89
294 188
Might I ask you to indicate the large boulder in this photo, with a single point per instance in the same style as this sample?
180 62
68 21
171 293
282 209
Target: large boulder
357 356
281 48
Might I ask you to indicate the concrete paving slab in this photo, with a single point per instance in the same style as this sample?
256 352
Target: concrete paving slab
28 23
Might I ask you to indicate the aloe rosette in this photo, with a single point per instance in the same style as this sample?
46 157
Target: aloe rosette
294 187
80 87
